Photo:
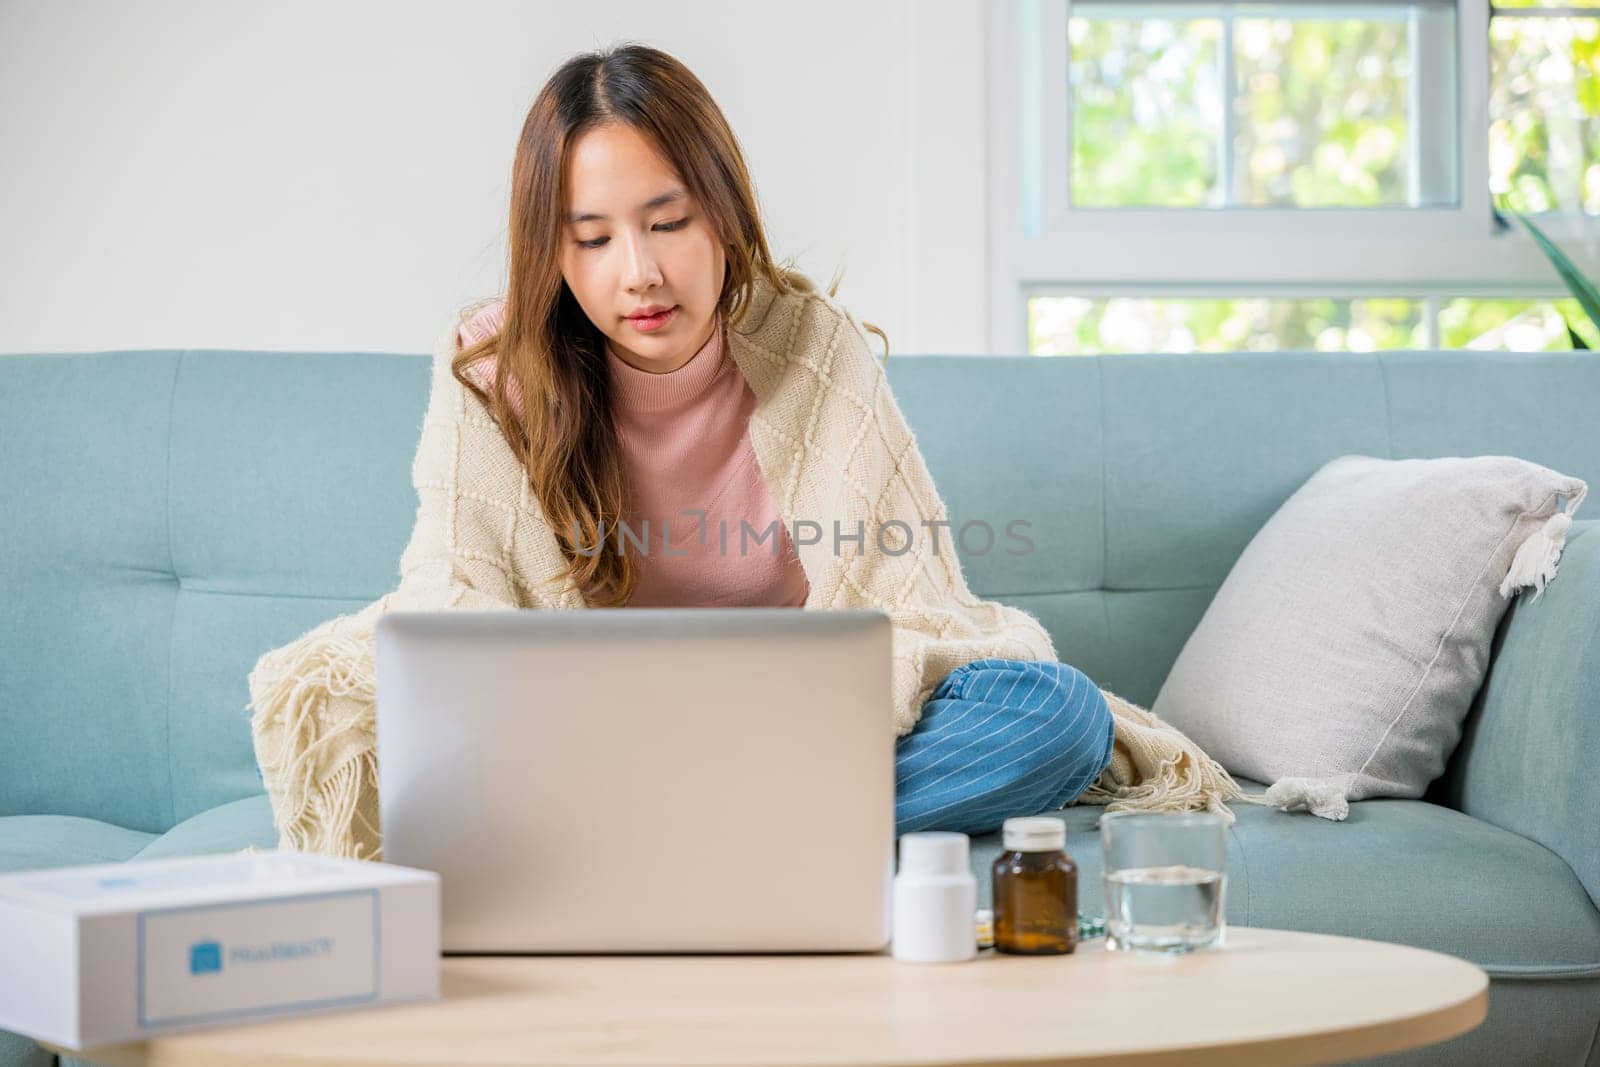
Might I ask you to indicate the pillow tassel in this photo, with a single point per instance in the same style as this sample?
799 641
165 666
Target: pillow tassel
1535 561
1325 797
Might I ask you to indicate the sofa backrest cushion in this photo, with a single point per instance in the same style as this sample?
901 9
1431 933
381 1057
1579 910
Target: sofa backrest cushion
171 516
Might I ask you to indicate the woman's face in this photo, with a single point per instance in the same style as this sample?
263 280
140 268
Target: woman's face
641 249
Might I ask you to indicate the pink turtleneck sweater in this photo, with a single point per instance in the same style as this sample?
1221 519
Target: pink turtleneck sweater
685 445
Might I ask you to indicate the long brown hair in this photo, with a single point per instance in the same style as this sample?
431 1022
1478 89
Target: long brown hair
564 436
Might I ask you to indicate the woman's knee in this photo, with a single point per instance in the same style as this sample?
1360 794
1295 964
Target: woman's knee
1082 745
1060 705
1054 704
1016 683
1076 691
1079 711
1059 733
1011 736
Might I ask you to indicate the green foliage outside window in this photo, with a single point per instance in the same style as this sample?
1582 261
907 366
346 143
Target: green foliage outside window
1320 119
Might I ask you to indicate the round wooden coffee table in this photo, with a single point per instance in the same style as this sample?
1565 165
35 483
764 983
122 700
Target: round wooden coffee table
1267 996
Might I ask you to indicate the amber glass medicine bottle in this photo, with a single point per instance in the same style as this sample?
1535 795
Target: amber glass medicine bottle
1035 887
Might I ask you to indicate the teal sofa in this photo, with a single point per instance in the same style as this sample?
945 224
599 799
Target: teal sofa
172 514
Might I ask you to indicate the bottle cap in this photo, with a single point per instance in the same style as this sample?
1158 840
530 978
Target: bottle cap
934 852
1035 833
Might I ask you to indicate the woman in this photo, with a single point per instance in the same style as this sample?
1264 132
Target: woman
651 369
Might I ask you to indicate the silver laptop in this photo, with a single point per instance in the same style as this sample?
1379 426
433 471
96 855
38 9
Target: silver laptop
642 779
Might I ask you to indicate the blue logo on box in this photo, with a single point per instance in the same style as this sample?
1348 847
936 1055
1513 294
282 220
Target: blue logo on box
205 957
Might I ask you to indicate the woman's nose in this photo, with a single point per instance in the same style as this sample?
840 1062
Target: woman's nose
641 270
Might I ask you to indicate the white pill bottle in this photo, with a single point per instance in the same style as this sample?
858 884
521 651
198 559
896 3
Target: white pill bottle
935 898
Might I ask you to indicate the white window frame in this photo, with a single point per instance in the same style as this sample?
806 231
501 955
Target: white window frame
1042 246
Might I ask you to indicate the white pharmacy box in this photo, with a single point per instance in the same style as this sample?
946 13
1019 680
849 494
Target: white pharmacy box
116 952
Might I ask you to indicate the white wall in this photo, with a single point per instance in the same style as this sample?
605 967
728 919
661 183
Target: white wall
332 175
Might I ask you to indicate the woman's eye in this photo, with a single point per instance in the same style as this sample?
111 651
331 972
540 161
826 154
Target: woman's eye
665 227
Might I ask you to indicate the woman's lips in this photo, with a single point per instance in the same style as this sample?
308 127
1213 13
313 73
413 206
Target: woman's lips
652 323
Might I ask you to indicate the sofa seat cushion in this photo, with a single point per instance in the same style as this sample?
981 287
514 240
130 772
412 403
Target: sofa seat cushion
1404 871
30 842
224 828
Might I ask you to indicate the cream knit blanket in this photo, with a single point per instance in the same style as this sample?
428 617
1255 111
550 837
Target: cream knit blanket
833 448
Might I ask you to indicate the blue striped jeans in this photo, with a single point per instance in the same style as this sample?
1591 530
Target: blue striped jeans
1000 738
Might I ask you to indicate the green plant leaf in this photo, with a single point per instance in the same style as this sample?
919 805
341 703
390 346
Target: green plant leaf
1577 341
1588 296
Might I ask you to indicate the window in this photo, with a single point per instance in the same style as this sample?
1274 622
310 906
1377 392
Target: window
1208 106
1070 325
1080 326
1544 107
1191 176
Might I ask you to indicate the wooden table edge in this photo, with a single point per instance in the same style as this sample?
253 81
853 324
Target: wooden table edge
1358 1042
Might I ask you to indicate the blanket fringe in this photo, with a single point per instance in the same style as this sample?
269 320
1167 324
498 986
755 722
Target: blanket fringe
1172 772
314 725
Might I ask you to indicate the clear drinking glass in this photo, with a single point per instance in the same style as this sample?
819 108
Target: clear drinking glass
1165 878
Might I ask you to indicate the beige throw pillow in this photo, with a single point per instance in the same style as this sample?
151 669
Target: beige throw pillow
1349 638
